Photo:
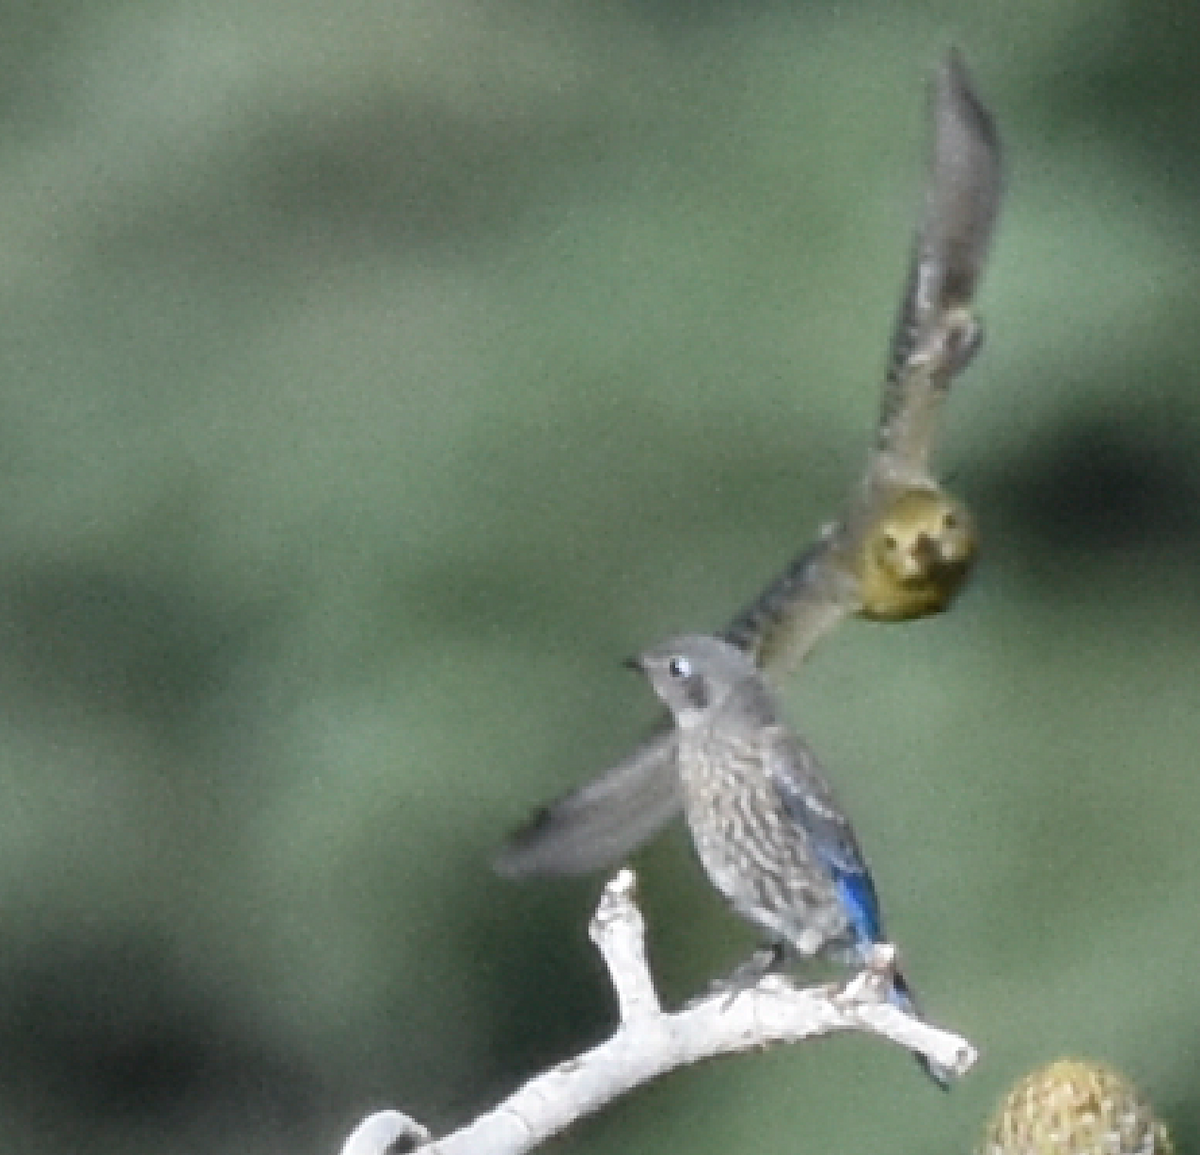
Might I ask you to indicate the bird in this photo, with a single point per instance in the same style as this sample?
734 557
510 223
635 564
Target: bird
917 556
1075 1107
764 821
901 548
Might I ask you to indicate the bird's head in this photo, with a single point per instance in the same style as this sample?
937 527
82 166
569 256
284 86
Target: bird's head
693 674
917 555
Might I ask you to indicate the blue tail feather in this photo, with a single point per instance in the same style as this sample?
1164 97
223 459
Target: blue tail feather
900 995
856 892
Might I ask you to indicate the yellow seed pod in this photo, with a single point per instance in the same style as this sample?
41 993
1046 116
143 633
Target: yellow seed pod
915 556
1075 1107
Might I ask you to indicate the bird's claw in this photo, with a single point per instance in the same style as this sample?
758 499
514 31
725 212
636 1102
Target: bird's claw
874 981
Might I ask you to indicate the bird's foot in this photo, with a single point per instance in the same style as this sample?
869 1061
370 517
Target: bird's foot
873 983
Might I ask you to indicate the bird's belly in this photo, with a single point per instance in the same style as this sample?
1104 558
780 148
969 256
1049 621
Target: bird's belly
762 867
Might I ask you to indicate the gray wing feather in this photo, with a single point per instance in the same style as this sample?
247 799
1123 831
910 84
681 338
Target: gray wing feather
603 821
808 801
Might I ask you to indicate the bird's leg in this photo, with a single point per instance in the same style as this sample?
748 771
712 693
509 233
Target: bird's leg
747 975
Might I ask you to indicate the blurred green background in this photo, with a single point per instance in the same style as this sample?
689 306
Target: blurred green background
376 375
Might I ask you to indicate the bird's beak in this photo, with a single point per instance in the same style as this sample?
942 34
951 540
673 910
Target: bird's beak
634 662
927 550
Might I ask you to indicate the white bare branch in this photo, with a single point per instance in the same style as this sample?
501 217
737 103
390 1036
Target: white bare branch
649 1043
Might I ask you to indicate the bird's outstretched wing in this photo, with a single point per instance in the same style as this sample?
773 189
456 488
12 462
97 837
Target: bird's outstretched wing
604 820
935 333
802 603
901 548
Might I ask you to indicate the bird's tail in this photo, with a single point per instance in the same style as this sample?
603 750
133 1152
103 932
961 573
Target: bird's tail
901 996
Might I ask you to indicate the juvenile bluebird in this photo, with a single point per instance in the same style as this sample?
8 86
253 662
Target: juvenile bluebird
765 824
901 547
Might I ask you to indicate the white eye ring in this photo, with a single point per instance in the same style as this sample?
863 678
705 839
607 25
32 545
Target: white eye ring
679 668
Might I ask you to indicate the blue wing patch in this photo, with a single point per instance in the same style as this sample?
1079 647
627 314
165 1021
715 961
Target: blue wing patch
807 801
857 893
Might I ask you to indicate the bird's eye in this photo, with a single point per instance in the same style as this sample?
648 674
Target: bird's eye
950 521
679 668
890 542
